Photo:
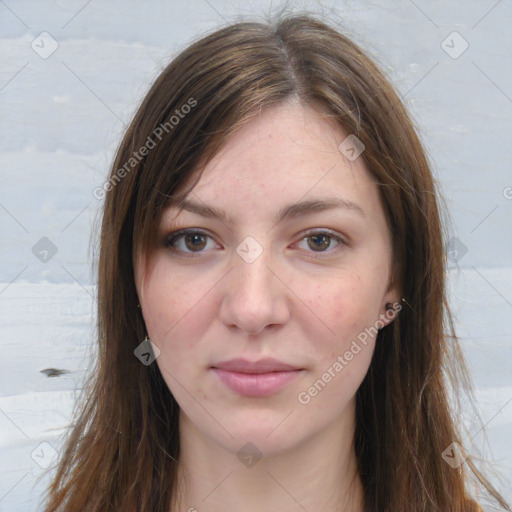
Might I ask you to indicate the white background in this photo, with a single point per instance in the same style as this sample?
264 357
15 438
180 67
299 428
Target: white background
61 120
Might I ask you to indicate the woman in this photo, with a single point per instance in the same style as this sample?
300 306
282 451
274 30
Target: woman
271 295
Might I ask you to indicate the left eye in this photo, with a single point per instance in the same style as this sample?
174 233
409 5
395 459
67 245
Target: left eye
320 241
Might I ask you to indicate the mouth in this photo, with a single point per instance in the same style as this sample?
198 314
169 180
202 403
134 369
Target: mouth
255 379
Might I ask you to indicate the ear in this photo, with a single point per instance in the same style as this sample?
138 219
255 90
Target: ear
391 304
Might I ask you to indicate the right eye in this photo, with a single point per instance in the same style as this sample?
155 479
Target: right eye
187 241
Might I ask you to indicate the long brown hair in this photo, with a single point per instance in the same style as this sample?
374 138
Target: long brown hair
122 451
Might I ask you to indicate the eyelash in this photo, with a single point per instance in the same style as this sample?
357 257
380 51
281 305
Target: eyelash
171 238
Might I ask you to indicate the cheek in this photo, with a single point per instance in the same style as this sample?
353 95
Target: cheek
343 342
174 309
175 317
160 313
165 294
345 304
342 357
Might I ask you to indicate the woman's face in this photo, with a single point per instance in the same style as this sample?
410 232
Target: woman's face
275 276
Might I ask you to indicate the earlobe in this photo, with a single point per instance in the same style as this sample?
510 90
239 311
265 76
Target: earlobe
391 311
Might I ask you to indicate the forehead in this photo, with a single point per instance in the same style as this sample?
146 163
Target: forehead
282 136
287 153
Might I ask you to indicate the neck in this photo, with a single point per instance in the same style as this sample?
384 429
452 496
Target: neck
320 474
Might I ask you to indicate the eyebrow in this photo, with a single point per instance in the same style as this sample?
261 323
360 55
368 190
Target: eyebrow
290 211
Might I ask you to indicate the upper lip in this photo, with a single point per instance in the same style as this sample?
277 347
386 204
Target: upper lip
262 366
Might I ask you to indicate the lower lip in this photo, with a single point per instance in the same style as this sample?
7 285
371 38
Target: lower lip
256 384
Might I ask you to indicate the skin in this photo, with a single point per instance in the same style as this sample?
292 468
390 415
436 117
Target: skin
287 304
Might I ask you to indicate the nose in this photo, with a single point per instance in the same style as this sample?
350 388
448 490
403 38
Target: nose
254 295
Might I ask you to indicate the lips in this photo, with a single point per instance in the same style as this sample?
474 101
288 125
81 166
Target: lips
262 366
255 379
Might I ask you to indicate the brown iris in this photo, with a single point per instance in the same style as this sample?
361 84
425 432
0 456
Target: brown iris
191 240
325 238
